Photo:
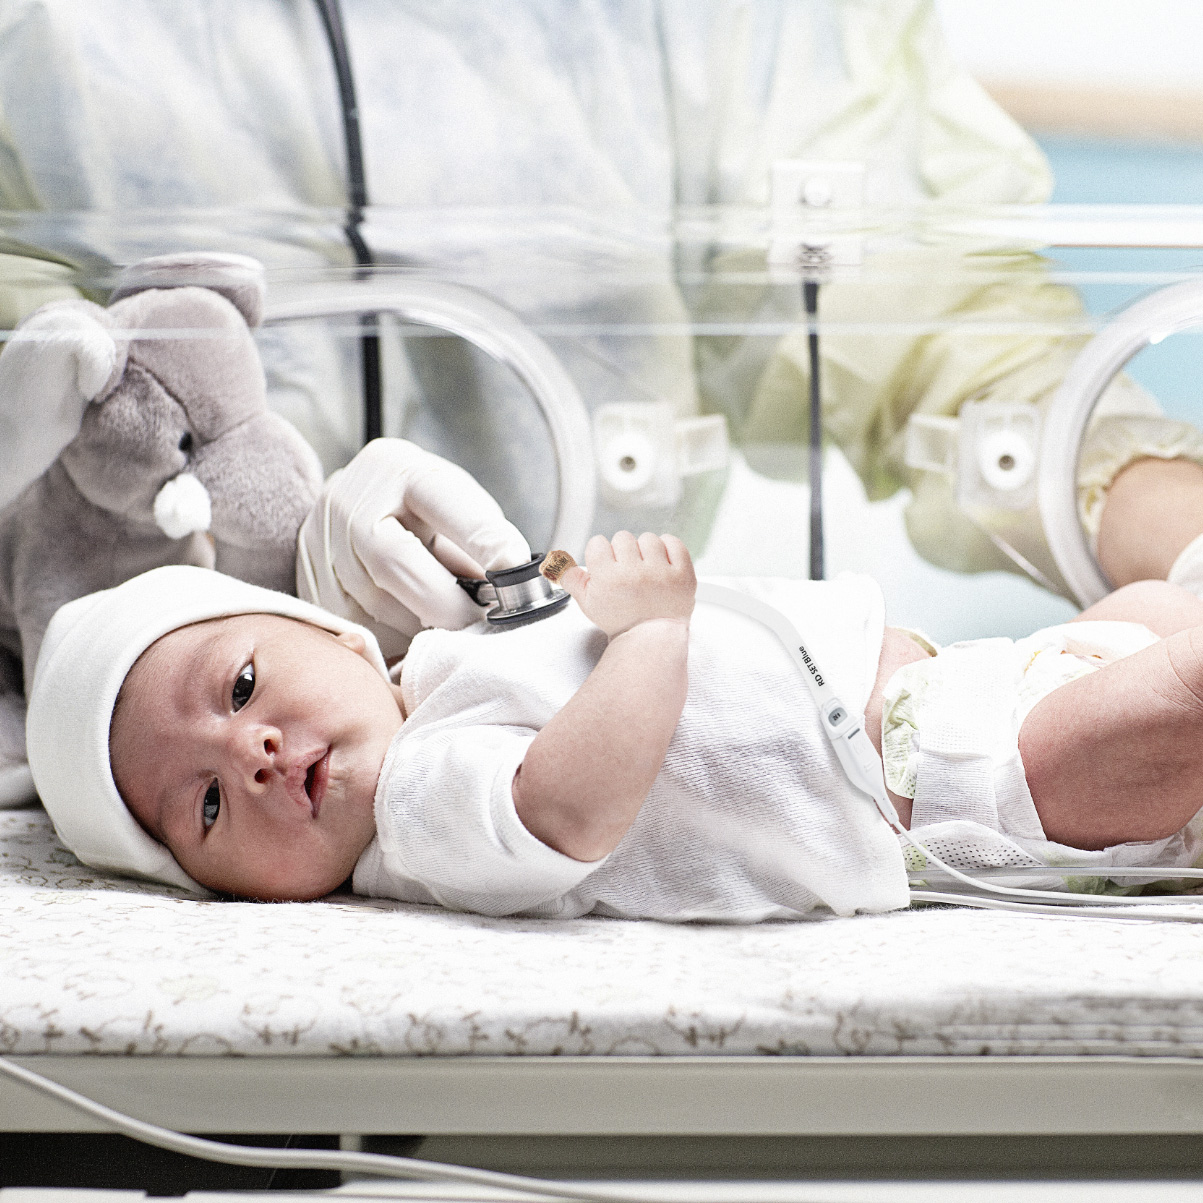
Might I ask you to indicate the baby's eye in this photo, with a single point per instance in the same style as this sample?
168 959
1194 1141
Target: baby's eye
244 686
212 805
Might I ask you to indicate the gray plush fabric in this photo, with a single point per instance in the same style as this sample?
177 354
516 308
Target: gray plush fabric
191 402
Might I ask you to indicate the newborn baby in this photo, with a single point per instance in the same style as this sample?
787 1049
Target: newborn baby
629 756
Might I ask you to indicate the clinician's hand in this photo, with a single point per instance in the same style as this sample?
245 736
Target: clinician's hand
389 534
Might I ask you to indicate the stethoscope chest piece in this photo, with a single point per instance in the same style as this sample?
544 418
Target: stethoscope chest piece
521 595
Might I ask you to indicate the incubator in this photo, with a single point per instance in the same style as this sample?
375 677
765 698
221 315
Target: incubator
596 375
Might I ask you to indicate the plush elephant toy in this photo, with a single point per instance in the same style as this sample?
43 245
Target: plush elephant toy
135 436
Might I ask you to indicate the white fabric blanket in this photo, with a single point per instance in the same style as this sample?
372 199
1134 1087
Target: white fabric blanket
97 964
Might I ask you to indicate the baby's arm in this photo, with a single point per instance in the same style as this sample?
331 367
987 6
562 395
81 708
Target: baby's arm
587 772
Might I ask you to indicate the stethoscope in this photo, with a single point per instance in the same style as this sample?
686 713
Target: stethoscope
518 595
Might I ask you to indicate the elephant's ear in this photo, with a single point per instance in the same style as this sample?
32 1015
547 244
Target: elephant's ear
238 278
57 360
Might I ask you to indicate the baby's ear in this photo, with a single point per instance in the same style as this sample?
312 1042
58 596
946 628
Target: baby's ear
58 360
355 641
238 278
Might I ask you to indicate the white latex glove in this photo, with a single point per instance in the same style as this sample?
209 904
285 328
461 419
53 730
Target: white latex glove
389 534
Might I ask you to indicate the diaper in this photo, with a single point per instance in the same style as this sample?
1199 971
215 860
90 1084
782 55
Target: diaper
950 741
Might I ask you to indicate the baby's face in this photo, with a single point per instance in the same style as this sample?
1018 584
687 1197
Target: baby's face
251 747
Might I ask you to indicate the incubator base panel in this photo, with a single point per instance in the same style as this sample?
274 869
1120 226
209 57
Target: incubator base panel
360 1016
625 1096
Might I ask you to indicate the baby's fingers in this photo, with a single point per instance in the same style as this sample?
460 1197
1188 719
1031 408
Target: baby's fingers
652 548
626 547
598 552
561 569
574 582
677 552
679 557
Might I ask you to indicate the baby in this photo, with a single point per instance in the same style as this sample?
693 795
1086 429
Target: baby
629 756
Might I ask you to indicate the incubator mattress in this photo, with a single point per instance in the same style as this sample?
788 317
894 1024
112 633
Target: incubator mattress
96 964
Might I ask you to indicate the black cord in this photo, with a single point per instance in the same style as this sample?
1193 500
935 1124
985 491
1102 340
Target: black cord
810 296
357 190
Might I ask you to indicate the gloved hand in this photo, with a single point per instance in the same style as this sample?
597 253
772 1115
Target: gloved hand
389 534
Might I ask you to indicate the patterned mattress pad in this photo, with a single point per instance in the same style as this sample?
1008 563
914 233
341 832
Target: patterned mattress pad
92 963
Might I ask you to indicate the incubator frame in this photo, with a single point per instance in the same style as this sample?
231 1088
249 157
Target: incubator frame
497 332
1145 322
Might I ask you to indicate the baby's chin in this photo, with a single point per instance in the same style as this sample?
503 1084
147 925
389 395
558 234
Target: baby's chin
288 882
304 889
299 894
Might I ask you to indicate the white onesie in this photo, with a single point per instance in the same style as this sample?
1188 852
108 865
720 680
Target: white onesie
750 818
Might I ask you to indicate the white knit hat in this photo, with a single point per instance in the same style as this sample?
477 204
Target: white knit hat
89 647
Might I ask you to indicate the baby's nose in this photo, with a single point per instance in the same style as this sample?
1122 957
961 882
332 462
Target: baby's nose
258 752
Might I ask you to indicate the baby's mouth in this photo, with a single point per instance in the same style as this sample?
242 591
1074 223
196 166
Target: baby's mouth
316 778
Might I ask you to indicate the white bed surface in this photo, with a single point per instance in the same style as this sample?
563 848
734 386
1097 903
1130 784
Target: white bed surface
98 964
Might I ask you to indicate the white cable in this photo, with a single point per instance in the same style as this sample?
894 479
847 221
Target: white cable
1060 899
315 1159
1109 871
1057 909
1094 903
846 730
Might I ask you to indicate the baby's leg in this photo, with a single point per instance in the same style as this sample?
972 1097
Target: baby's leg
1117 756
1162 607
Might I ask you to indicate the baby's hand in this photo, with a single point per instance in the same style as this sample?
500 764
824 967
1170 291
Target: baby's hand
628 581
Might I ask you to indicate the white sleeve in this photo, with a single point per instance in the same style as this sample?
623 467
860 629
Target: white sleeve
446 822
